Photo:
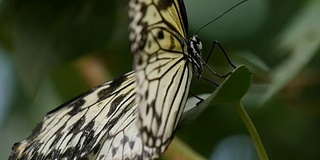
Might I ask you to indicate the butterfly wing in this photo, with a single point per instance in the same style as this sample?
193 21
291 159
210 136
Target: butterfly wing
99 124
163 73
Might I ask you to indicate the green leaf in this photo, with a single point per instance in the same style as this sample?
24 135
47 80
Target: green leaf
232 89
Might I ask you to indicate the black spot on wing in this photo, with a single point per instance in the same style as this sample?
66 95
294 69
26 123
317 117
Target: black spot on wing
101 157
68 153
79 103
110 124
89 126
163 5
76 108
77 149
114 151
113 122
85 147
160 35
52 154
113 85
105 93
115 103
77 126
96 148
124 140
88 134
88 145
131 144
56 139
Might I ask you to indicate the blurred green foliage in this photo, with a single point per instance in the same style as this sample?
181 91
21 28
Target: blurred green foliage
46 42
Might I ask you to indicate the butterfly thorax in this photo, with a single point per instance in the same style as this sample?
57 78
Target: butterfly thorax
195 54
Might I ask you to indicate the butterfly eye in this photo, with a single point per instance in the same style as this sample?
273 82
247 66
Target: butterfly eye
199 43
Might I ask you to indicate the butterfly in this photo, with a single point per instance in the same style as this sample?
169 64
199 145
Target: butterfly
166 61
134 116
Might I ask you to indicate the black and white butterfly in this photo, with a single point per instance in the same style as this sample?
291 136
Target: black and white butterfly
166 61
136 115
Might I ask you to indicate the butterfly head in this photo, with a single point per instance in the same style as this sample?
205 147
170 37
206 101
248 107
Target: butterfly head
196 45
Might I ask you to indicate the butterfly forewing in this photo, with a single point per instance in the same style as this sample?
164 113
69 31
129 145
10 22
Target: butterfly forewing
100 124
163 71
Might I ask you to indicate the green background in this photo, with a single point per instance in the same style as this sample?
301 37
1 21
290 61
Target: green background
49 47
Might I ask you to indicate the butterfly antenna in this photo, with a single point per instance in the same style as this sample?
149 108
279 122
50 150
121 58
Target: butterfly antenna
220 16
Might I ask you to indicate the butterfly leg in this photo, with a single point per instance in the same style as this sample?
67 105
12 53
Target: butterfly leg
215 42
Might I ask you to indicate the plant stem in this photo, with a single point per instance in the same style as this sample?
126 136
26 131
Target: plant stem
252 130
